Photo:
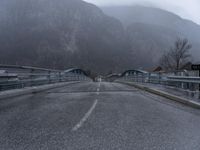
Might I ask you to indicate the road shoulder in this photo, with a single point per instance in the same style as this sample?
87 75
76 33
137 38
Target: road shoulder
32 90
164 94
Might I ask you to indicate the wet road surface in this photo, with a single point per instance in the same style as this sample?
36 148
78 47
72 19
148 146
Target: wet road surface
97 116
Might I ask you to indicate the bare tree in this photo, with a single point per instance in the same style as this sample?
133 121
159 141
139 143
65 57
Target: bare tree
165 61
177 56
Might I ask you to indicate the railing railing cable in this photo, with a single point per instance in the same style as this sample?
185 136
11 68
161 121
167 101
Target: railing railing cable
14 77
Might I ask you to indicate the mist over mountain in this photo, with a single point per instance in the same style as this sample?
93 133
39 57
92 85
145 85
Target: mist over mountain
154 30
148 42
73 33
61 34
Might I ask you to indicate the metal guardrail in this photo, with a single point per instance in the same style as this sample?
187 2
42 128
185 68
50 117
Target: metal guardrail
14 77
195 80
184 82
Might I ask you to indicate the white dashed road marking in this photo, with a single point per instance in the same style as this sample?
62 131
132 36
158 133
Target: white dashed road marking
87 115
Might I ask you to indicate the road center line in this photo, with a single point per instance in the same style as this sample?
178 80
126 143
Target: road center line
87 115
99 84
98 89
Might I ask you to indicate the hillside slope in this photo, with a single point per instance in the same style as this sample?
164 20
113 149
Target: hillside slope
130 16
61 34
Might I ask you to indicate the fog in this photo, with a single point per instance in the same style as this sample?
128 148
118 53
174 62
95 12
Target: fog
75 34
188 9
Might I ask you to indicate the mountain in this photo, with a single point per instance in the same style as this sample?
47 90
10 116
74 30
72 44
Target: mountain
61 34
154 30
72 33
148 43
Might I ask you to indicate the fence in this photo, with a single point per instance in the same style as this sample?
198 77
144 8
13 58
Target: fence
184 82
14 77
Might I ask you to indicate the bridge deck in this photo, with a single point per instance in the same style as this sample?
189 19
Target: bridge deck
97 116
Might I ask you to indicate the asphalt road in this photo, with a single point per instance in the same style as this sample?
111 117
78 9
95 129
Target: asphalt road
97 116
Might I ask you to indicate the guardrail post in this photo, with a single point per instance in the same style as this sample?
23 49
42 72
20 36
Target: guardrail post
143 78
159 78
149 78
21 83
137 78
49 76
32 77
199 84
60 77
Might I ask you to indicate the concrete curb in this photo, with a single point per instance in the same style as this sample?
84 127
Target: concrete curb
165 95
32 90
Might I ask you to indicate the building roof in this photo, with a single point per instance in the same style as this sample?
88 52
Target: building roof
158 69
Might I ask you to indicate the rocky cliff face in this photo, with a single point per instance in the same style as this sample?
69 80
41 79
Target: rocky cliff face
64 33
73 33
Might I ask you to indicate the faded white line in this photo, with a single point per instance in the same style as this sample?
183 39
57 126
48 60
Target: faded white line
100 84
87 115
98 89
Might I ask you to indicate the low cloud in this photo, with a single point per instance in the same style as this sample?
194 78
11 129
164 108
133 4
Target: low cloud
188 9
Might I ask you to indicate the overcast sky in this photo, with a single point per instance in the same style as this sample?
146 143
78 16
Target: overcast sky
189 9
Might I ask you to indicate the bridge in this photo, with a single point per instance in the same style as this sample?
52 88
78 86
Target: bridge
64 109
